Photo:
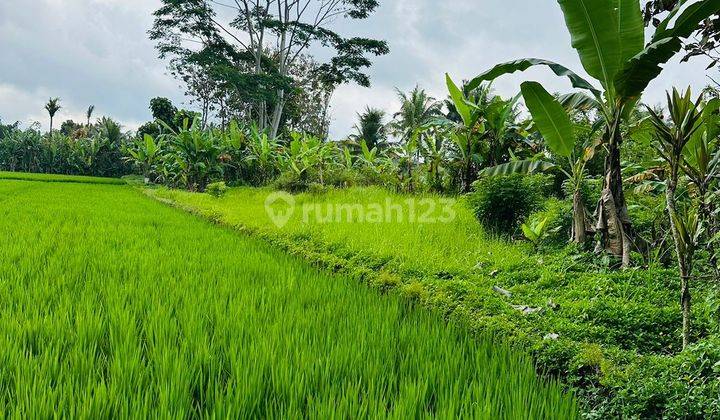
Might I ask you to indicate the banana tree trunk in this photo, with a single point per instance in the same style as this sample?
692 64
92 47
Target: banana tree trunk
467 175
579 227
613 218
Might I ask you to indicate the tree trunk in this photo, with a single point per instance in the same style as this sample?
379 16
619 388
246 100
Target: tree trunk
410 172
325 125
705 214
51 124
467 176
613 218
579 228
685 302
283 67
684 257
277 114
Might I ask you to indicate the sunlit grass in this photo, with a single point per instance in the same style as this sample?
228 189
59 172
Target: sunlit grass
22 176
458 245
113 305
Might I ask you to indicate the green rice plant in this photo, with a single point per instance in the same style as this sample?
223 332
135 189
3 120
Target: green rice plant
22 176
115 306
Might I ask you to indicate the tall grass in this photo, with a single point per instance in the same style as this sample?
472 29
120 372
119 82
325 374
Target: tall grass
112 305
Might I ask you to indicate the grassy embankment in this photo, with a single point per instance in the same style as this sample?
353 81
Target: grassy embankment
613 334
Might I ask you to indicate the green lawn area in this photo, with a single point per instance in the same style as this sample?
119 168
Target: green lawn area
115 306
602 330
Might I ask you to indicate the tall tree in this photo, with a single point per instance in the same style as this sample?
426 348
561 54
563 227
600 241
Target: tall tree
162 109
254 43
417 109
52 107
308 104
89 113
609 38
704 42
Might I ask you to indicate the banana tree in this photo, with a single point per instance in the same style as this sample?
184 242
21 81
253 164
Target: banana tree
464 134
262 156
369 158
434 156
609 38
145 153
557 129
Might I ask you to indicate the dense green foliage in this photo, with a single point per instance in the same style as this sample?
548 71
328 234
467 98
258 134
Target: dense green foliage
612 335
95 150
116 306
502 203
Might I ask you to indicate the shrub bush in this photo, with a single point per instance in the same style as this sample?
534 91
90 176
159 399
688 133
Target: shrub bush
291 182
559 216
501 203
217 189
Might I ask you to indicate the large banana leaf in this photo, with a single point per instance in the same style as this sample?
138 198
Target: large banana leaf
550 118
523 167
687 21
578 101
458 99
595 34
639 71
526 63
632 28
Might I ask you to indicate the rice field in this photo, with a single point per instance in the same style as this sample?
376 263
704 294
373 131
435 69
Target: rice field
115 306
405 242
23 176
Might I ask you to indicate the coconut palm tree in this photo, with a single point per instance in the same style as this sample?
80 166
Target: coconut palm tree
371 128
417 109
52 107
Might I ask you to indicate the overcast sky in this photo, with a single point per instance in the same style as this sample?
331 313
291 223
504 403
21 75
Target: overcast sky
97 52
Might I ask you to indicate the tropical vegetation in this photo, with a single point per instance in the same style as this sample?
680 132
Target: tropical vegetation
579 226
